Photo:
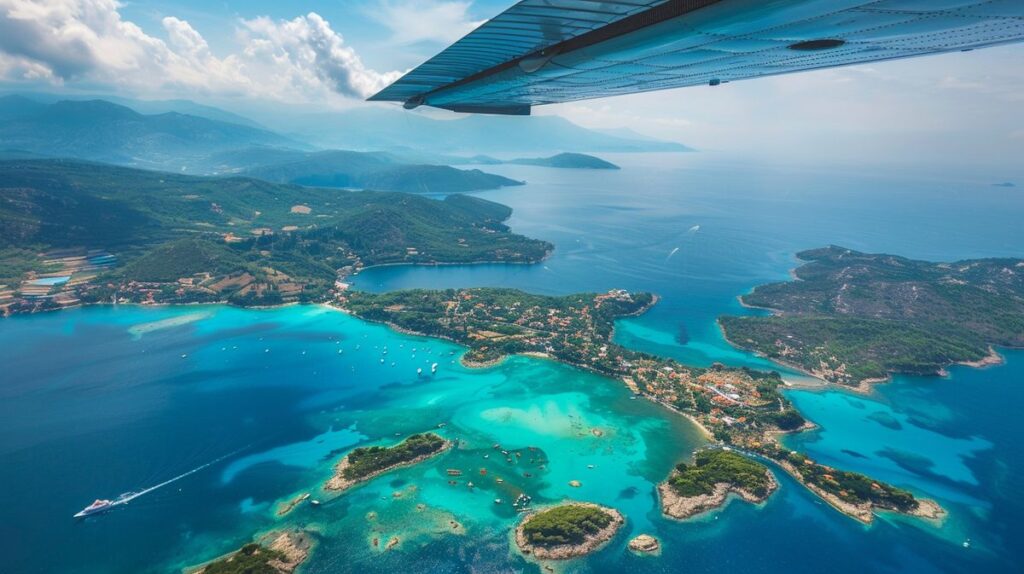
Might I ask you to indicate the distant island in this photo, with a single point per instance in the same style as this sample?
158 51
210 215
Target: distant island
705 484
567 160
740 407
277 553
854 318
567 530
365 463
76 233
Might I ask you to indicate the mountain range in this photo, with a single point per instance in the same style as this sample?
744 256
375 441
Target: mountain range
99 130
398 150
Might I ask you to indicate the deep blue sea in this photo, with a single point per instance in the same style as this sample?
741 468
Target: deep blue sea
99 401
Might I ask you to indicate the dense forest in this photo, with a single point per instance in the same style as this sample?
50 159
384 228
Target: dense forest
715 466
566 524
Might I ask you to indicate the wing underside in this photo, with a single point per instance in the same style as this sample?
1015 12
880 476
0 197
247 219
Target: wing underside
550 51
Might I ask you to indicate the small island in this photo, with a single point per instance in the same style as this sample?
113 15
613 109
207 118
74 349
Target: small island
645 544
567 531
855 318
365 463
567 161
276 553
696 488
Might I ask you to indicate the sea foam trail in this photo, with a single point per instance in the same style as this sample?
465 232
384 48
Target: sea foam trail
125 499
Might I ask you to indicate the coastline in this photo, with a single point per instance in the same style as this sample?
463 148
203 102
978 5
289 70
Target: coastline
708 435
450 264
993 358
327 301
679 507
339 483
863 386
296 547
592 543
927 509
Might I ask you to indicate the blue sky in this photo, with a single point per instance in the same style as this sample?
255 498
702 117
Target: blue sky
330 54
355 20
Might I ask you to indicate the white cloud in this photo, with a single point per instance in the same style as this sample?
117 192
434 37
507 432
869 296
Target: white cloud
414 21
61 41
308 54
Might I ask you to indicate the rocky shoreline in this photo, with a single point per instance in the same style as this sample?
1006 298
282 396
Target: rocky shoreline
338 482
293 548
645 545
566 551
683 507
865 513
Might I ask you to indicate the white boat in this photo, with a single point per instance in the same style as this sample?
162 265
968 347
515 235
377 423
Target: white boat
98 506
433 368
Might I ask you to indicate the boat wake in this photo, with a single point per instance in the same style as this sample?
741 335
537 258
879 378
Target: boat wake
101 505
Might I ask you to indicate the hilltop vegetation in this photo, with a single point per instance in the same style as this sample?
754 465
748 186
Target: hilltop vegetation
365 461
853 316
214 239
250 559
566 524
845 487
276 553
712 467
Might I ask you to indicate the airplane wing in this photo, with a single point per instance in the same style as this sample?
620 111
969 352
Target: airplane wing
551 51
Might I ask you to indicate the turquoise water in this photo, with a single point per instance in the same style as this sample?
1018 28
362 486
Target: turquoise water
99 401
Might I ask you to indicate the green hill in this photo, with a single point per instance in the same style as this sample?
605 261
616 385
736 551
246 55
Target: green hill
853 316
166 227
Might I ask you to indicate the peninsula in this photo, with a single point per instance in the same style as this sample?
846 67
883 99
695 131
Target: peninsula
705 484
365 463
855 318
567 531
735 406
